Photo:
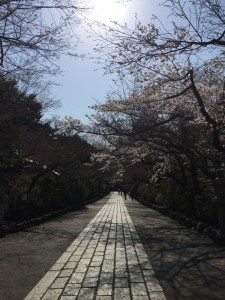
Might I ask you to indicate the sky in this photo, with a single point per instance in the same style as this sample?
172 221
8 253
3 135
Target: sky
82 82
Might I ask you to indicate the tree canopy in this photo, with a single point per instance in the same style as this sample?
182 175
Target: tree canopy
168 106
34 34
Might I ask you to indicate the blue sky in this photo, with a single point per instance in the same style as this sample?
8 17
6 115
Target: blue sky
81 84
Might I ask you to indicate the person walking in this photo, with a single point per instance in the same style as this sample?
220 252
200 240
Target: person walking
125 194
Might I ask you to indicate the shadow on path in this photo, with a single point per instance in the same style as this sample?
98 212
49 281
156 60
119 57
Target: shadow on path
26 256
187 264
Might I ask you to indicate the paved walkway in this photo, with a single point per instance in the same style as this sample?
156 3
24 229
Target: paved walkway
106 261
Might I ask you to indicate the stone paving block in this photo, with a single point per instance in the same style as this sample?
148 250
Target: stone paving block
121 272
128 243
112 236
87 238
126 230
120 246
133 261
95 237
81 269
131 256
107 268
121 282
121 263
121 257
98 258
89 251
74 258
110 248
84 244
93 272
120 242
111 241
99 253
87 255
108 265
90 282
136 240
92 245
100 248
138 246
78 252
120 252
70 265
67 298
106 278
59 283
109 256
138 289
95 264
148 272
153 284
57 267
66 273
130 248
142 298
134 268
84 262
72 289
103 298
143 259
52 294
104 237
86 294
77 241
120 238
77 278
122 294
81 248
157 296
146 266
104 289
71 249
64 257
136 277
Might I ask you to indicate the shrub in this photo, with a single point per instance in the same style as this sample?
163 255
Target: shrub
170 194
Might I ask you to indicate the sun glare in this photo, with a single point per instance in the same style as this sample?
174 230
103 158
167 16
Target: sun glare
106 10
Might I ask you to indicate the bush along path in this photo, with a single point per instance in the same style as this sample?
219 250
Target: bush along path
12 227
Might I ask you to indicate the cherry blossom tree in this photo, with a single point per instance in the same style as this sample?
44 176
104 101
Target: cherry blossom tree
196 28
34 34
170 114
164 132
172 64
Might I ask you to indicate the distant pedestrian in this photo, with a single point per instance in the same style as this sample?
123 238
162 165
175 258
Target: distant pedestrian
131 193
125 194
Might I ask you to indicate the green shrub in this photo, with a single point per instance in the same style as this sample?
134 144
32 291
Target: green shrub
169 193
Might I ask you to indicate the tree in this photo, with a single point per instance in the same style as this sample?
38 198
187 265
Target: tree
172 64
53 169
34 34
168 135
197 27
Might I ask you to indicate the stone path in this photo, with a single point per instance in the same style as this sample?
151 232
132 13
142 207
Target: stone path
106 261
